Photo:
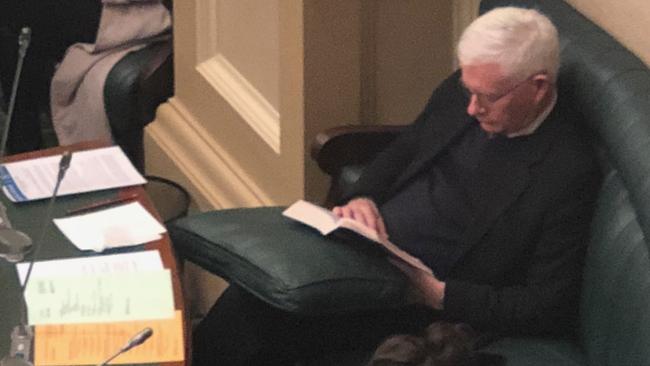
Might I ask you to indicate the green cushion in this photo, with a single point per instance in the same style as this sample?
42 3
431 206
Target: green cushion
287 264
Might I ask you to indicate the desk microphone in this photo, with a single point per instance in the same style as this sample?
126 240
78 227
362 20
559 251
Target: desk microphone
13 243
137 340
22 335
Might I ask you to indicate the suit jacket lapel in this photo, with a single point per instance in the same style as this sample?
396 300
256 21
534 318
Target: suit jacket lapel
434 141
505 174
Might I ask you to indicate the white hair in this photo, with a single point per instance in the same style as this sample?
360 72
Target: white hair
522 41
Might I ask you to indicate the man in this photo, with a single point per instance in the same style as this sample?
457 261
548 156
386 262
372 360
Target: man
511 184
493 187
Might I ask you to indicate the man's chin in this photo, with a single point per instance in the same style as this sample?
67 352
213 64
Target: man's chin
489 128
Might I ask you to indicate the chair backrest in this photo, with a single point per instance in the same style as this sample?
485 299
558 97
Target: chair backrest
134 88
611 91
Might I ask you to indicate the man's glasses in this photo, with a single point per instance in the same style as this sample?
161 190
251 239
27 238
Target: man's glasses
485 100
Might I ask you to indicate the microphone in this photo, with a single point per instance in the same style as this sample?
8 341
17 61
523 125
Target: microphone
24 38
13 243
137 340
22 335
64 164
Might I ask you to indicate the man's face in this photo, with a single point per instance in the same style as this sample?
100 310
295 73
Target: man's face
500 104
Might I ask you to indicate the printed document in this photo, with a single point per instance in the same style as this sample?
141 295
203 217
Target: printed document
90 170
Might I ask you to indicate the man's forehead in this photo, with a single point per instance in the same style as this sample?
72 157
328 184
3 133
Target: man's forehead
483 76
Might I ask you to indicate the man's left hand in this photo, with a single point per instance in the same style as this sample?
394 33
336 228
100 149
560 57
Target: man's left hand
431 291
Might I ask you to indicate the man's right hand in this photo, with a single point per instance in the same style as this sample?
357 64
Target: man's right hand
365 211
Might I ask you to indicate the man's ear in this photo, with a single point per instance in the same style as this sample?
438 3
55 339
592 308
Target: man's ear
542 86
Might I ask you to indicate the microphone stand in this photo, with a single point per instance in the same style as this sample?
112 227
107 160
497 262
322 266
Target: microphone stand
24 39
17 243
22 335
137 340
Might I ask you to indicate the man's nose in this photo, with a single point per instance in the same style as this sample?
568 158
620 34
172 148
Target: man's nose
473 107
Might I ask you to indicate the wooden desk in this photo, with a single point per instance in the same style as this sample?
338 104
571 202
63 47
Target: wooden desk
27 217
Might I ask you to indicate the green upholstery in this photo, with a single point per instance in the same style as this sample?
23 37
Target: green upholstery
286 263
616 293
610 88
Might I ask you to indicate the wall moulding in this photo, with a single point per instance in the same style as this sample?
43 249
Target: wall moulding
243 98
211 63
216 176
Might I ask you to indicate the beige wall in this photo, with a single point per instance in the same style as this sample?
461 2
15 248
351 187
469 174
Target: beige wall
626 20
259 60
256 80
332 63
413 53
227 129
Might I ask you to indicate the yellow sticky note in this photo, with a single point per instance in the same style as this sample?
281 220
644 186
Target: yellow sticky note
83 344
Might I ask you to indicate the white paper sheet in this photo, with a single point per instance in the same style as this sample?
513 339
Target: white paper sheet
142 261
125 225
90 170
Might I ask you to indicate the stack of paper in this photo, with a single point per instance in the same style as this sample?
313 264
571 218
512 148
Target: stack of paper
85 309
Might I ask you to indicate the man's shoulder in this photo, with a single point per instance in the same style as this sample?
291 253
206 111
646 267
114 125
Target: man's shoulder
572 147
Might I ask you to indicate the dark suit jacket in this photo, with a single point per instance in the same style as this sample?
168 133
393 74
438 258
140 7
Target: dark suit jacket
523 253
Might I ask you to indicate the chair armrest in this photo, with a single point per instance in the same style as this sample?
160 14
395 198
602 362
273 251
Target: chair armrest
343 152
136 85
156 80
345 145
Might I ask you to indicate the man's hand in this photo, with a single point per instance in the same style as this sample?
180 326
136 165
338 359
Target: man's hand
365 211
431 291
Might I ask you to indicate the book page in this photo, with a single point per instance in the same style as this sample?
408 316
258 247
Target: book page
315 216
326 222
360 229
404 256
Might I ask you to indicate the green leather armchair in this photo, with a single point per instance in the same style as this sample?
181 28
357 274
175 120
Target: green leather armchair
611 90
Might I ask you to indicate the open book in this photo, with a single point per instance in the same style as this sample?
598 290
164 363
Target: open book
326 222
